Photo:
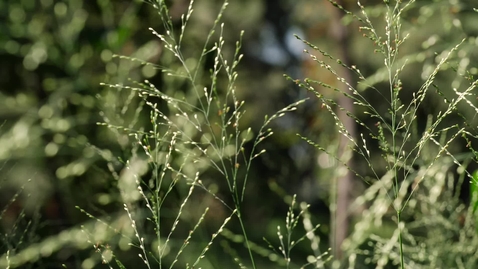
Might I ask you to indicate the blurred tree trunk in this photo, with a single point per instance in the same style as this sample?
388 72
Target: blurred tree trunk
344 181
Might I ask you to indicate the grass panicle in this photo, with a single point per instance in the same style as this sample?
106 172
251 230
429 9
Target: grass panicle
187 137
395 130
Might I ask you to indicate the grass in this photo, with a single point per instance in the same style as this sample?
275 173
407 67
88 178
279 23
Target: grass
171 170
401 140
190 134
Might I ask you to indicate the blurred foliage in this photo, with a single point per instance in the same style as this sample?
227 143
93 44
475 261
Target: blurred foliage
54 57
54 156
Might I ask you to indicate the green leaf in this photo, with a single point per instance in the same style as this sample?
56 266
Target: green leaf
474 190
474 194
119 263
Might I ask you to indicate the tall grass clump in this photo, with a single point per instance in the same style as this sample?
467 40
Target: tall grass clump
172 167
414 165
17 225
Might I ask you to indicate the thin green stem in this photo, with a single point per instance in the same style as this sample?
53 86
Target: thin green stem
243 228
400 241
